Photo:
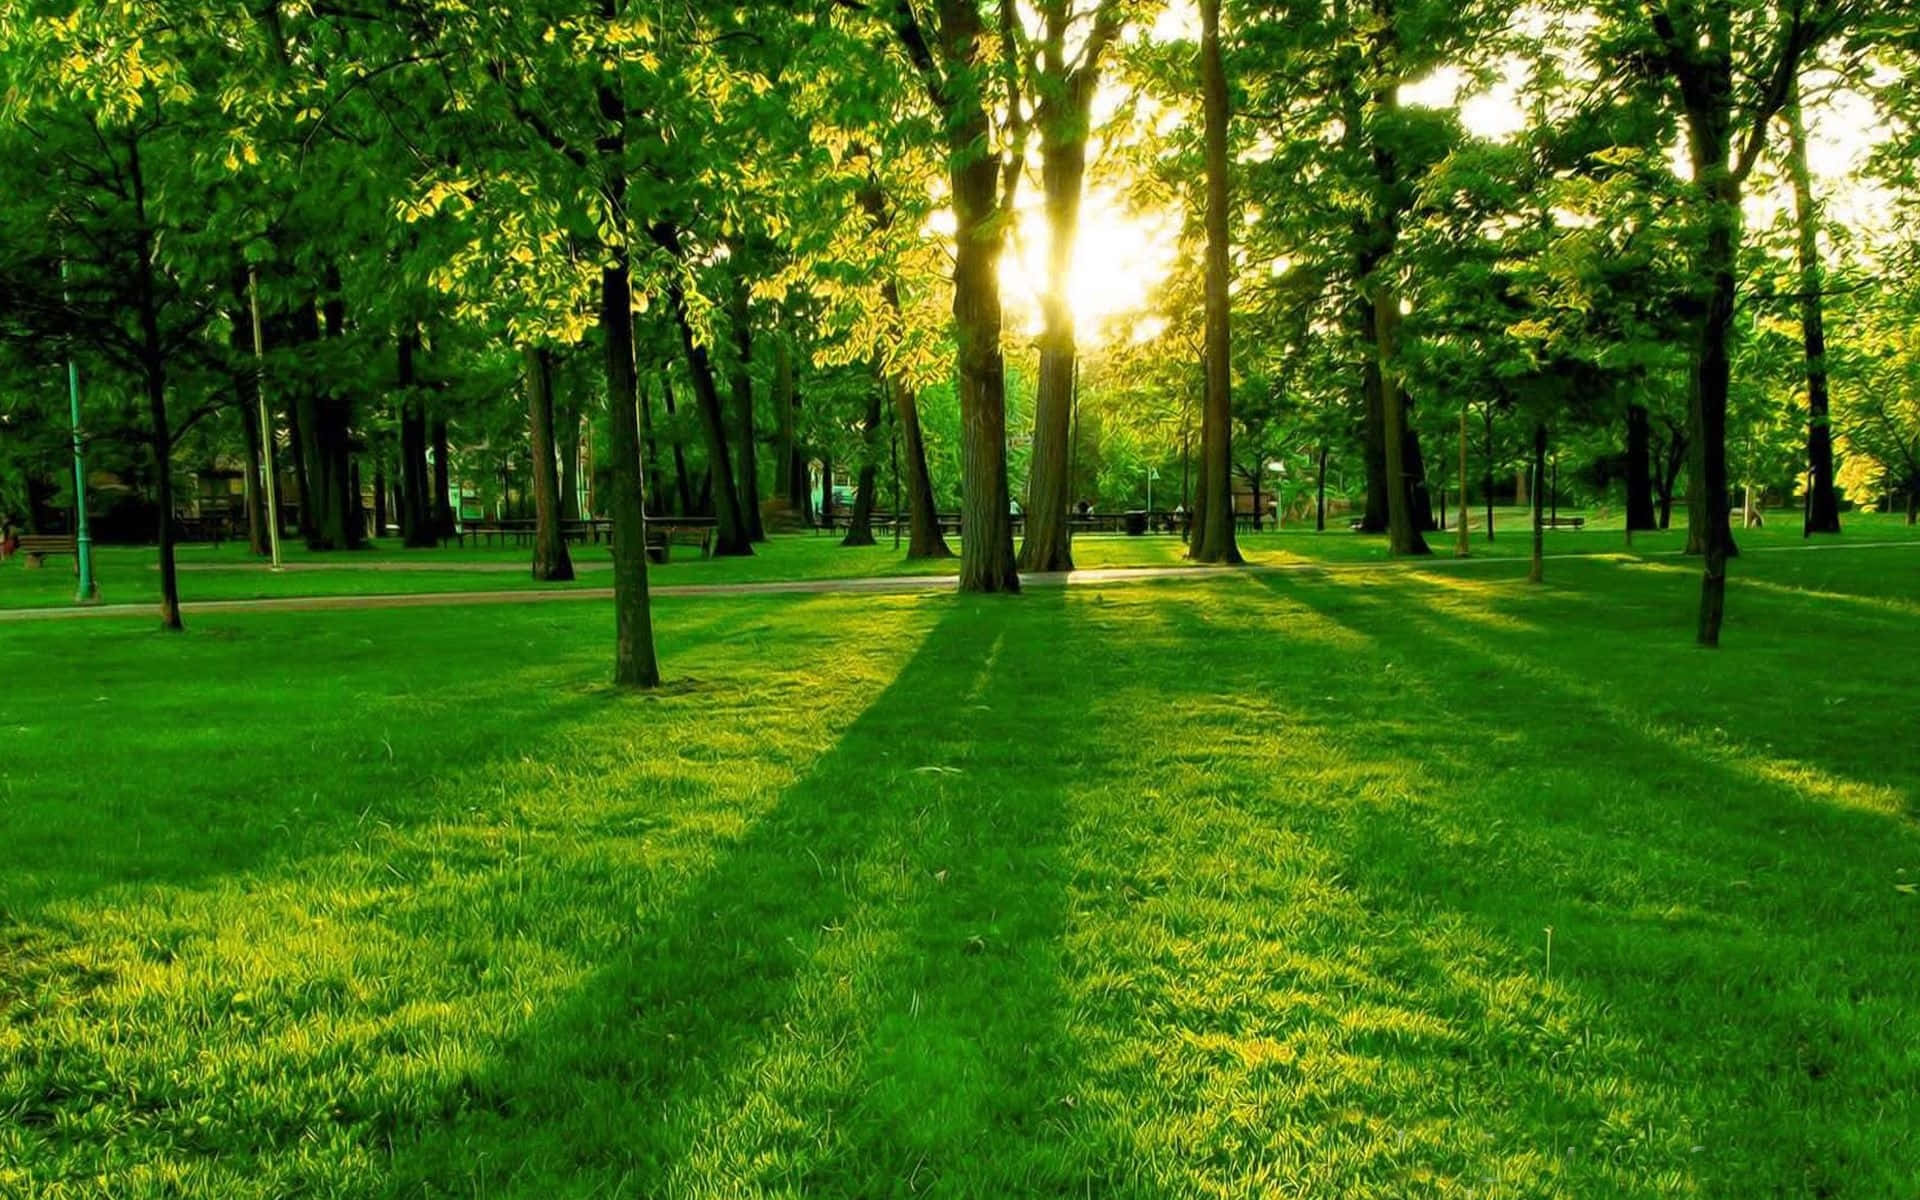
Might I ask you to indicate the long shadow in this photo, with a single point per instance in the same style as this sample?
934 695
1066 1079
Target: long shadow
157 761
860 997
1741 932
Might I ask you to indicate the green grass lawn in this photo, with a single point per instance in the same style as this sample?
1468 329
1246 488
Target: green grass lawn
128 574
1239 887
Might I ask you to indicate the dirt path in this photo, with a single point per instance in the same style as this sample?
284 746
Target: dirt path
874 585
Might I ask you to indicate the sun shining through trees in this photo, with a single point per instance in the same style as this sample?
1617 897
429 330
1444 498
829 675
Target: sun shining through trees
1159 559
1120 260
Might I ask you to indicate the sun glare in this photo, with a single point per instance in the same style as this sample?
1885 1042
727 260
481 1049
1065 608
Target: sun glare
1119 261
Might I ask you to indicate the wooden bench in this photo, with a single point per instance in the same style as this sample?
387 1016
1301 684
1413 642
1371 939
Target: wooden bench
661 539
35 546
1563 522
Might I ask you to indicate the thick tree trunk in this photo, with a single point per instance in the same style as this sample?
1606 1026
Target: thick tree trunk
986 548
1048 544
1640 514
1536 570
731 536
1213 538
826 490
860 523
337 524
1823 505
550 559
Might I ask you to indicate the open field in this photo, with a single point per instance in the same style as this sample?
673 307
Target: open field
1362 884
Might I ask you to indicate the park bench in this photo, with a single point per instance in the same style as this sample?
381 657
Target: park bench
661 539
35 546
1563 522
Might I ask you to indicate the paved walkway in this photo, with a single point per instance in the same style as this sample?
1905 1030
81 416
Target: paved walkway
875 585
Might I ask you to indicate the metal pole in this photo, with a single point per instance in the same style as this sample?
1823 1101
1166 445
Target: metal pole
86 590
266 421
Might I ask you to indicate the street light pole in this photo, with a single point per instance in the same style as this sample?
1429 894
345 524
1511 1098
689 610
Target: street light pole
86 590
266 422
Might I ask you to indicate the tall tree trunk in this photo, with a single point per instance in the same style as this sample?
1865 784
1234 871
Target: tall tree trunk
1536 571
826 490
417 529
682 480
1823 505
444 515
154 369
860 523
980 219
924 538
1712 378
742 387
550 559
730 534
634 664
1320 493
1213 536
1640 514
1064 118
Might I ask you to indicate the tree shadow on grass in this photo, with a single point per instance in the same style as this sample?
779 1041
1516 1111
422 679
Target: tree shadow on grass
859 998
1743 932
160 760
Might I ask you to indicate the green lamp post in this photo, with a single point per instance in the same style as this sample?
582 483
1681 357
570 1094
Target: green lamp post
87 590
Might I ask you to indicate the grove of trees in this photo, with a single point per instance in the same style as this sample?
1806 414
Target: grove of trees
689 258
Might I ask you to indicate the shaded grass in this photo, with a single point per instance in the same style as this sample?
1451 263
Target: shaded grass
1153 890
